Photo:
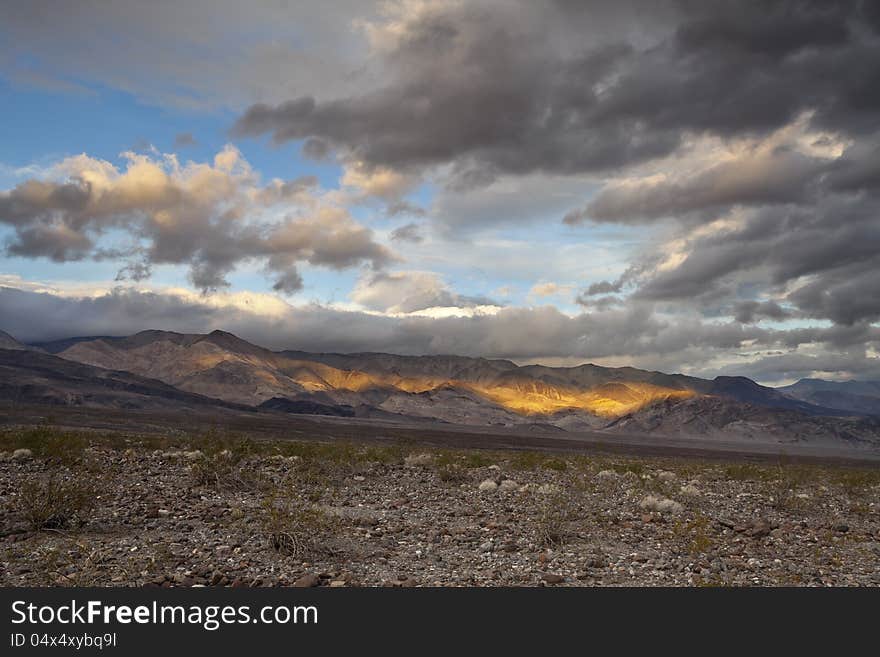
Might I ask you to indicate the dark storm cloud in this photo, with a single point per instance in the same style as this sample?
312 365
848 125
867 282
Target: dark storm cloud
779 176
500 91
598 303
749 312
833 247
846 297
506 90
603 287
404 208
496 98
511 89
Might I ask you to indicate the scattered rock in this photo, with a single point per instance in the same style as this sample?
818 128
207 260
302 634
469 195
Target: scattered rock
307 582
660 504
488 485
758 528
403 526
22 454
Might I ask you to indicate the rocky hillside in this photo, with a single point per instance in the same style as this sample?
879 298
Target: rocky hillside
31 377
722 418
8 342
469 391
862 397
223 366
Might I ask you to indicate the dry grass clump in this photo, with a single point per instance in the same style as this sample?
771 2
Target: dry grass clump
296 528
697 532
225 465
557 511
528 461
452 474
224 472
59 499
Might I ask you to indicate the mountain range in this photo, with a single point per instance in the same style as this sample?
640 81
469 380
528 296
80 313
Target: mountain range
174 370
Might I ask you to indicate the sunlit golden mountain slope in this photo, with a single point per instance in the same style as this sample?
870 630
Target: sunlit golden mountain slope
225 367
449 388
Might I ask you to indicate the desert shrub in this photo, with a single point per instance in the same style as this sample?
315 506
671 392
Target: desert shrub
623 468
476 460
697 533
536 461
452 474
296 528
59 499
526 461
557 509
225 470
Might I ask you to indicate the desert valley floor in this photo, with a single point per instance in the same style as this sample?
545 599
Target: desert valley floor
328 503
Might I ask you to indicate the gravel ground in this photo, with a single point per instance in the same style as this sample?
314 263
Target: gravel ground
79 510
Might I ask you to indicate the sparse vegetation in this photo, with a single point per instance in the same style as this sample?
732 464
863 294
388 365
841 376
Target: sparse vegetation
224 469
45 442
59 499
528 461
557 509
452 474
697 533
220 509
294 527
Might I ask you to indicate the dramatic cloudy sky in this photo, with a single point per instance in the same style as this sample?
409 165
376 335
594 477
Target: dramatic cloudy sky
687 186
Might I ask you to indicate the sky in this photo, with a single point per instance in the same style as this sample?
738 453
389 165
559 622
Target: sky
682 186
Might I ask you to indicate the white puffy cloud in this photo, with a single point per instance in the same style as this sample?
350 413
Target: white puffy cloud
210 216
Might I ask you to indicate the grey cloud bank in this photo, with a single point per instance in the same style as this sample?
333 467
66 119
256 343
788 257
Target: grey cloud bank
636 335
